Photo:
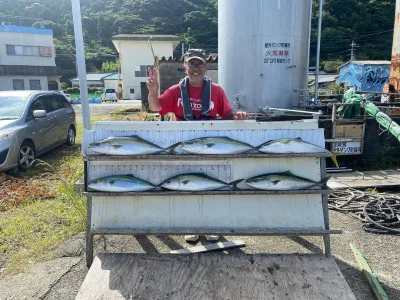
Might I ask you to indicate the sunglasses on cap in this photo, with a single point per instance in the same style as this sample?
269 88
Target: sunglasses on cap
196 65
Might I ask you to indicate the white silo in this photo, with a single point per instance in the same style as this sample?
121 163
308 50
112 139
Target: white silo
263 51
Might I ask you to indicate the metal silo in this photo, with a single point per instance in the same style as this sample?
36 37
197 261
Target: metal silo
395 68
263 51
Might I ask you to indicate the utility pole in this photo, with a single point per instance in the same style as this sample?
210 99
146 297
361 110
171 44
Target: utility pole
352 56
183 49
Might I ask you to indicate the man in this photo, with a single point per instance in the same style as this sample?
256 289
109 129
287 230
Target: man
200 106
194 98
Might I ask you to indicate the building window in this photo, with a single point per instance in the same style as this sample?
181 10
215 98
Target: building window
141 71
10 49
29 50
34 84
45 51
18 84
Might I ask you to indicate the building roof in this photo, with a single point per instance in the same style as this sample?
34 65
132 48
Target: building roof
145 37
324 78
94 76
25 29
113 76
367 62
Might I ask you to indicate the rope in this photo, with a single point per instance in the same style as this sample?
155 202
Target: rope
379 212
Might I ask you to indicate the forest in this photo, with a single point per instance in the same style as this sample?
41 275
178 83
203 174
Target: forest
368 24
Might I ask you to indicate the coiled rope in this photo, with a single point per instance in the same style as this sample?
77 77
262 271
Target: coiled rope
379 212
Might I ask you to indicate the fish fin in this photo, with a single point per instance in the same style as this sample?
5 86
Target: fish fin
234 184
111 182
298 138
287 173
275 181
116 146
135 136
209 145
324 182
185 181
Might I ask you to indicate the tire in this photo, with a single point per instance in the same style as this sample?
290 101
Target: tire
26 156
71 135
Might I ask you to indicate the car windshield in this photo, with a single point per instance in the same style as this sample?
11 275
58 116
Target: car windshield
110 91
11 107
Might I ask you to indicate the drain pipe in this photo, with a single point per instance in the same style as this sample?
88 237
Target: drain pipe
321 3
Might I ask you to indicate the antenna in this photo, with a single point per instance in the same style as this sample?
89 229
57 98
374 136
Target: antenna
352 55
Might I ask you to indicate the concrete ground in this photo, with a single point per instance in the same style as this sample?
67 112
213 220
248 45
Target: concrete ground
62 277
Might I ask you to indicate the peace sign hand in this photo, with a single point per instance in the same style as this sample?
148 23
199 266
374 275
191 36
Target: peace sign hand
152 81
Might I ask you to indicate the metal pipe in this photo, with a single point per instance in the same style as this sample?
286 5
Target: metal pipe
80 62
309 45
321 3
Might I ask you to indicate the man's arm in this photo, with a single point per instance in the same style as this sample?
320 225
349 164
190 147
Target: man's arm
152 86
233 115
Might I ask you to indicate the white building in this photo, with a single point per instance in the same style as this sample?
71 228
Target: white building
27 59
135 55
92 80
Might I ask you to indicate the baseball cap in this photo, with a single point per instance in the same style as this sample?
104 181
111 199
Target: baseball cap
195 53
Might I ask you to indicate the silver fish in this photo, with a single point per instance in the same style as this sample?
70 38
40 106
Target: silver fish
296 145
124 145
120 183
215 145
283 182
195 182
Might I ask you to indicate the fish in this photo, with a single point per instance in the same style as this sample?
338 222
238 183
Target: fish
296 145
121 183
176 149
215 145
283 182
195 182
124 145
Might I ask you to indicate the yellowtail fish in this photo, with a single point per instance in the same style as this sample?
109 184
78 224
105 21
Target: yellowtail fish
124 145
215 145
296 145
121 183
195 182
283 182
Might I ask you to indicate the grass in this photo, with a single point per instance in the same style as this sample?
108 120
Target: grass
39 209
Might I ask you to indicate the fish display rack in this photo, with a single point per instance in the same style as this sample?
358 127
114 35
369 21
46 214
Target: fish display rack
225 212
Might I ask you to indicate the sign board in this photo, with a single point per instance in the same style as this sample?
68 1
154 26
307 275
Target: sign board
346 148
352 130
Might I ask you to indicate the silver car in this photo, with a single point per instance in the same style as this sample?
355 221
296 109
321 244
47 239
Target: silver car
31 123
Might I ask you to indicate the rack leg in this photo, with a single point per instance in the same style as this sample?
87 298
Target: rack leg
327 244
89 235
326 238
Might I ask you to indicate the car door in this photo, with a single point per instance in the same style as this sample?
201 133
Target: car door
53 111
39 129
65 117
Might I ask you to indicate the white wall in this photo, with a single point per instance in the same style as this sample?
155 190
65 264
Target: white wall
6 82
111 84
136 53
26 39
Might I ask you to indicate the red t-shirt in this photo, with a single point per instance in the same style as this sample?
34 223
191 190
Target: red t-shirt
171 101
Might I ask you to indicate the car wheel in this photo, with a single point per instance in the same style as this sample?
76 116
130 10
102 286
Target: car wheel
26 156
71 136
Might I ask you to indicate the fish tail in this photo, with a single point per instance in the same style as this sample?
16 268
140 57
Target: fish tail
333 157
324 182
234 184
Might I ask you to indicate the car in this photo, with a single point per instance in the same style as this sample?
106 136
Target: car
67 95
109 95
32 123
